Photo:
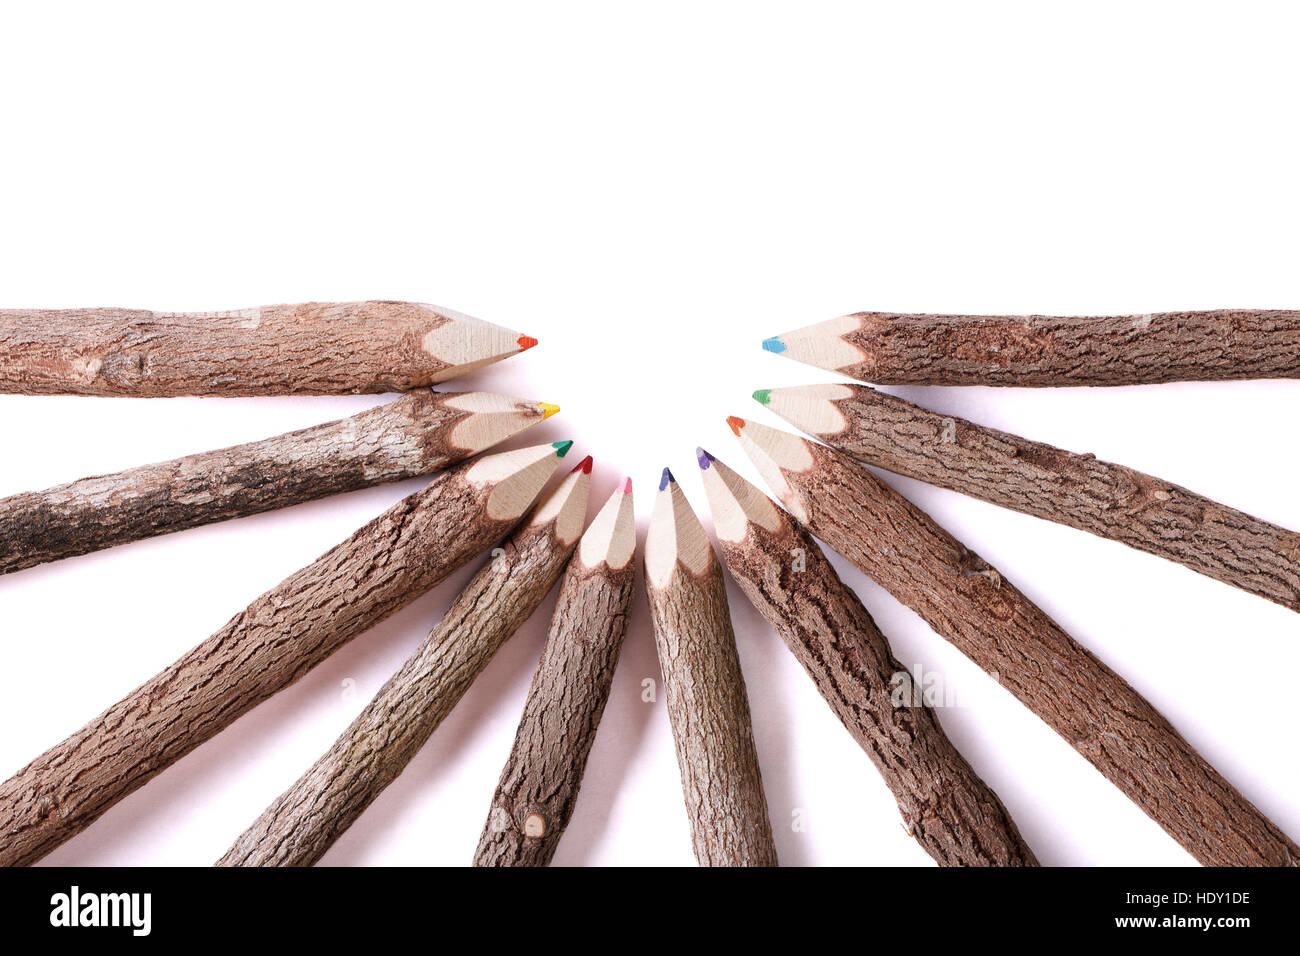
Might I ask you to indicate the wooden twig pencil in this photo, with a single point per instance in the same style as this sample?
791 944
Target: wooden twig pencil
419 433
306 819
970 604
891 348
707 704
946 807
539 785
1111 501
274 641
316 348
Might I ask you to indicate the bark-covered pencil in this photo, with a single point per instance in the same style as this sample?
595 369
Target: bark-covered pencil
419 433
315 348
535 797
946 807
707 704
892 348
306 819
969 603
270 644
1109 500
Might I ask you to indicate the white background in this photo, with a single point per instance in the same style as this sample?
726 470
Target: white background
651 190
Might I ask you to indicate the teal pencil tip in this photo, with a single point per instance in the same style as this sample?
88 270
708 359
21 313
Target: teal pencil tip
561 448
774 344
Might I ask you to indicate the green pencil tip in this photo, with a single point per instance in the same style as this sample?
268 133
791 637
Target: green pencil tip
561 448
763 395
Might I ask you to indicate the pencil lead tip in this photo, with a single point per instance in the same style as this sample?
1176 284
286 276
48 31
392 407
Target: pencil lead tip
703 457
665 478
736 424
526 342
627 486
584 466
547 409
561 448
763 396
774 344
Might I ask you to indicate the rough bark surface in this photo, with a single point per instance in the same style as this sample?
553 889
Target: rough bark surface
709 712
404 439
1043 350
1109 500
968 602
314 348
539 786
946 807
306 819
269 645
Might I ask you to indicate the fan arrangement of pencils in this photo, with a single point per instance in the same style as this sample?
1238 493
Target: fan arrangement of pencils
476 501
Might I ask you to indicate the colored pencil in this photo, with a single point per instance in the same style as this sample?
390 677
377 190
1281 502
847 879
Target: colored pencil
535 797
946 807
418 434
306 819
891 348
1108 500
705 690
316 348
971 604
279 637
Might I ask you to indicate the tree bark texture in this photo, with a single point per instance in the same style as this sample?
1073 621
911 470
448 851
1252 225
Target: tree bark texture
946 807
306 819
1044 350
1108 500
269 645
539 785
968 602
315 348
417 434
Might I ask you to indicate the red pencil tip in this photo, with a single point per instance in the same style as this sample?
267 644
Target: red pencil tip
627 487
736 424
526 342
584 466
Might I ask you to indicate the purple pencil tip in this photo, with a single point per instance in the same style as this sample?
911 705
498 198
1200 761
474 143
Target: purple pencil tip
703 457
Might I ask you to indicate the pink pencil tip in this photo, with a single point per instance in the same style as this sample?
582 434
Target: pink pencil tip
627 487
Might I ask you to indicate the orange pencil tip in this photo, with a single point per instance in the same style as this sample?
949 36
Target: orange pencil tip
526 342
736 424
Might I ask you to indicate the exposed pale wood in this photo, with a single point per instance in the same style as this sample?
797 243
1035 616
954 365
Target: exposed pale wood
306 819
705 690
535 797
267 646
972 605
892 348
1109 500
312 348
946 807
419 433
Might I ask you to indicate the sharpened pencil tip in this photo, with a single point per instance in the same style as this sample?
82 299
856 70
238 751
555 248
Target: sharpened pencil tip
763 396
627 487
736 424
561 448
774 344
703 457
666 477
584 466
526 342
547 409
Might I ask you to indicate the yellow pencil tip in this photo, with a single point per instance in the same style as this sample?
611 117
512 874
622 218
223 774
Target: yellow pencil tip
547 410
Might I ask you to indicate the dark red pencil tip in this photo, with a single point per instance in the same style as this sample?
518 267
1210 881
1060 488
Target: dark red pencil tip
736 424
584 466
526 342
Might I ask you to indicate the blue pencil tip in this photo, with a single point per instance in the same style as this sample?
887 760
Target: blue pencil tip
703 457
774 344
666 477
